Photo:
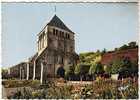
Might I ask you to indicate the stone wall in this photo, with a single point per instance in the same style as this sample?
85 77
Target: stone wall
132 54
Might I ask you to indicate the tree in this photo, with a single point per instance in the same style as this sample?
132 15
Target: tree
82 57
96 69
129 46
5 74
97 59
116 49
82 70
104 51
107 69
99 68
124 47
92 70
124 67
89 57
77 69
98 52
134 68
69 72
132 44
129 68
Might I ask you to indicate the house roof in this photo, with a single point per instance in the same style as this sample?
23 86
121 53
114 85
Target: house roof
57 22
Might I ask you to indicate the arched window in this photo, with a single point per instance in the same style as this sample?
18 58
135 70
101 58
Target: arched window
56 59
68 36
62 60
43 42
53 31
56 32
63 34
60 34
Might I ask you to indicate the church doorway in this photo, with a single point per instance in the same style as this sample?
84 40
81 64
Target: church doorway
61 71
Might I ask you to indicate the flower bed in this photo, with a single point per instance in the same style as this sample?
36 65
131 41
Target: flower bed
100 89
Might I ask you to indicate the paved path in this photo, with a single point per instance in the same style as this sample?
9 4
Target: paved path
4 95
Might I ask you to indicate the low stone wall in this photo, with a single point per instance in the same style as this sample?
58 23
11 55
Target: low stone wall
79 82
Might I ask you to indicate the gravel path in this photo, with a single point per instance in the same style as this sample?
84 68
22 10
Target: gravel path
4 94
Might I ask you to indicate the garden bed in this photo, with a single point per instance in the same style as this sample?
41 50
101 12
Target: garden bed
99 89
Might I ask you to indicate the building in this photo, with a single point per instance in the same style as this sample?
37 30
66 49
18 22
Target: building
19 71
55 46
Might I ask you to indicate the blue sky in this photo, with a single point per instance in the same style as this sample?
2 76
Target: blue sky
97 26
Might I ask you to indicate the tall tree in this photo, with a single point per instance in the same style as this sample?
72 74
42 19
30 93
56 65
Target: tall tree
82 70
69 72
92 69
99 68
124 47
107 69
132 44
104 51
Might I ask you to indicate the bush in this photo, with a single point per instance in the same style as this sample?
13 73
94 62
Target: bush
20 83
69 72
34 83
57 92
10 83
4 73
23 93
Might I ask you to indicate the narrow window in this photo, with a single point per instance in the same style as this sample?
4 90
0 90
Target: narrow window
62 34
53 31
38 45
68 36
56 32
62 60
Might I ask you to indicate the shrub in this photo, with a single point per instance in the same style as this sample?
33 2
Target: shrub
56 92
21 83
10 83
69 72
34 83
23 93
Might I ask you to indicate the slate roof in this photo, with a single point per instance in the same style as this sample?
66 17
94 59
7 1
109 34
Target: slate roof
56 21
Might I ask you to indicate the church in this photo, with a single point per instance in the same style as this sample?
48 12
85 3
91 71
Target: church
55 48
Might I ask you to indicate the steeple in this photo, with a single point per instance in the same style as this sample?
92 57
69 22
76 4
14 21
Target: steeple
56 21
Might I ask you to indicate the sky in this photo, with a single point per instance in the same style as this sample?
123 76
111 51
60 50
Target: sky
96 26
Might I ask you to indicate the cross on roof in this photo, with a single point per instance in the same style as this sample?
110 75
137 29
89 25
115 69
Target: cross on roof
55 9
